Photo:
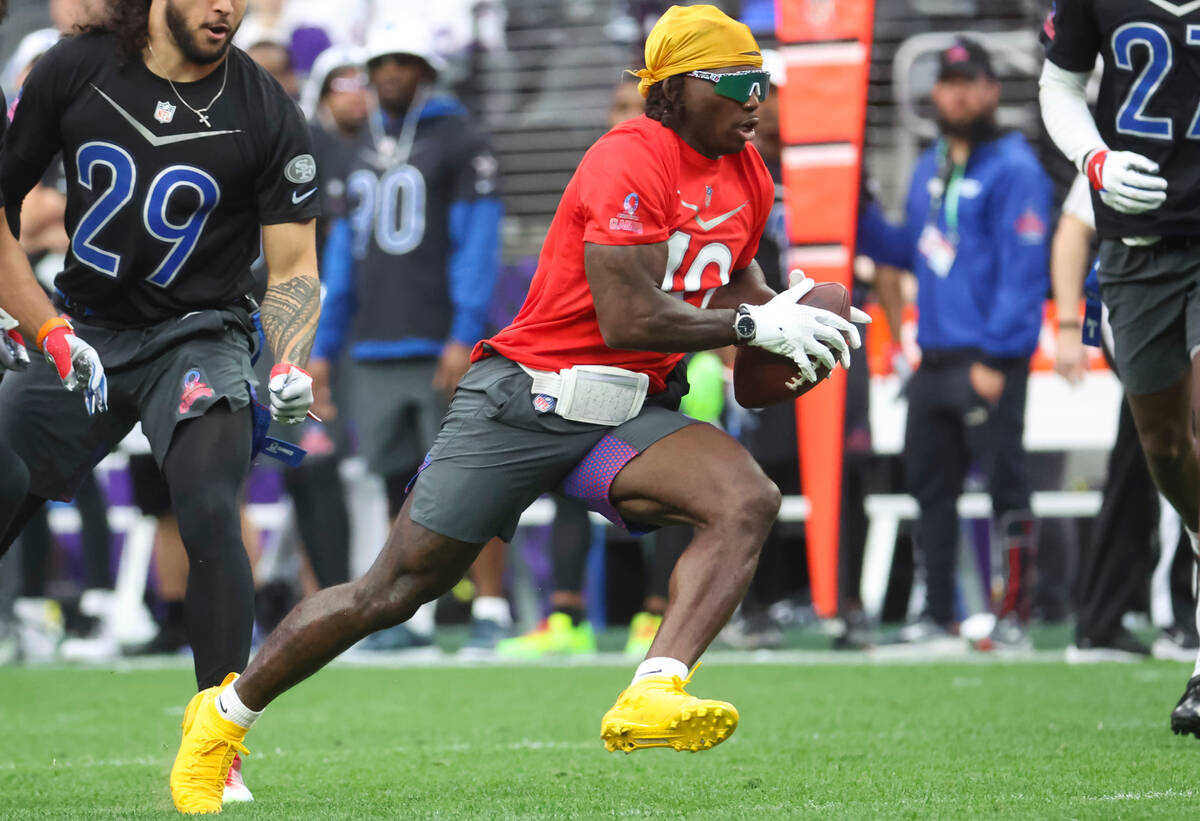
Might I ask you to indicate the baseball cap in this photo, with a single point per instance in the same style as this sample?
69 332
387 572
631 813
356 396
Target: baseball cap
965 58
330 60
407 39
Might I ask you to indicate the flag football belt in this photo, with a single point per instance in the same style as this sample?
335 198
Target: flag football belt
598 394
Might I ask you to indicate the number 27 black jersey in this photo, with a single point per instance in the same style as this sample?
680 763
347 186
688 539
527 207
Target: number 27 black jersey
1149 96
163 211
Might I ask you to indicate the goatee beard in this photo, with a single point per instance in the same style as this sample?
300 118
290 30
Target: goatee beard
185 40
976 131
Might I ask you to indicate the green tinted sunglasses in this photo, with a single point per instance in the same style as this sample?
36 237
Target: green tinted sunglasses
738 85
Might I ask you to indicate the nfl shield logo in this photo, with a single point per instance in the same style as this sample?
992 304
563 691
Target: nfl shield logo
164 112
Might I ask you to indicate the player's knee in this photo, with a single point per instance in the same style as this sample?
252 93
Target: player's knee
208 516
1167 446
385 602
755 505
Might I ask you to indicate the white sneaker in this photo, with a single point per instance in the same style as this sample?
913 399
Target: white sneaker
235 788
1174 644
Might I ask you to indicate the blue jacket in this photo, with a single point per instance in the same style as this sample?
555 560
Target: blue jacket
430 279
991 297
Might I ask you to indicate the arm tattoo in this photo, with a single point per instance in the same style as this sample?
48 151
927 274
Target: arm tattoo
289 317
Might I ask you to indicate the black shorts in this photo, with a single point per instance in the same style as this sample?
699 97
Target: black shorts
1153 298
158 375
496 454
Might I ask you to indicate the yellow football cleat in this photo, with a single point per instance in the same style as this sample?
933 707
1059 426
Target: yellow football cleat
657 712
209 744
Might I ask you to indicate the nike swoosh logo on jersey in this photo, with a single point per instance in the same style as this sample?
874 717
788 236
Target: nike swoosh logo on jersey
152 138
708 225
1179 10
297 200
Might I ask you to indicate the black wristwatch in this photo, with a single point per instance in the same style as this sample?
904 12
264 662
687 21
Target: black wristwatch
744 326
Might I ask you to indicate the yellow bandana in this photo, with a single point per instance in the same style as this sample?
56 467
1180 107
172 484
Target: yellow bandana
688 38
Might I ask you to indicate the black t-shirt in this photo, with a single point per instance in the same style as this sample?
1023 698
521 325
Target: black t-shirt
403 215
1149 96
163 211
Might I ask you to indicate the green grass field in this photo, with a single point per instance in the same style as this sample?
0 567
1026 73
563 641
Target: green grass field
960 740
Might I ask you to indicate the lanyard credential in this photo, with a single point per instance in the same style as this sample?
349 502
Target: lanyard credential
951 176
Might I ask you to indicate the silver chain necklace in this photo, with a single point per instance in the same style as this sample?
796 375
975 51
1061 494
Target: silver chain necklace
199 112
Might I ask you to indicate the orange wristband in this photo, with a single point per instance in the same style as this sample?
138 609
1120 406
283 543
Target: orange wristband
48 326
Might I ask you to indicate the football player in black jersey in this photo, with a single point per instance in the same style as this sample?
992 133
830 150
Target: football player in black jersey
24 305
1141 153
179 153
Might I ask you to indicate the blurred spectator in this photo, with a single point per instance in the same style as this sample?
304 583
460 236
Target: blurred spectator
306 27
276 58
1114 563
627 101
335 99
408 274
975 237
67 14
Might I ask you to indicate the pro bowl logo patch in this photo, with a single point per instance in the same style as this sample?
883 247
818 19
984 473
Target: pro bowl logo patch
301 169
1030 227
543 403
194 388
628 219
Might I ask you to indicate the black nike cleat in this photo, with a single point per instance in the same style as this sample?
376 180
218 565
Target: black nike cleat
1185 718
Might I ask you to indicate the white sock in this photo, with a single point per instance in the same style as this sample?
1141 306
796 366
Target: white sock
492 608
231 708
1194 539
421 622
660 666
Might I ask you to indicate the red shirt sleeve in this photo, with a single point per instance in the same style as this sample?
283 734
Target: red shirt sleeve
626 184
764 201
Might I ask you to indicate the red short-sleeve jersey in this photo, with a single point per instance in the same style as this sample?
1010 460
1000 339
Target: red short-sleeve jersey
638 184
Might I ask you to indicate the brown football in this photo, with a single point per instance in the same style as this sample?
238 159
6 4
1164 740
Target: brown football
761 378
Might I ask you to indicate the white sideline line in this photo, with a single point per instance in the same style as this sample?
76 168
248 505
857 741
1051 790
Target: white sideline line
883 656
1140 796
525 744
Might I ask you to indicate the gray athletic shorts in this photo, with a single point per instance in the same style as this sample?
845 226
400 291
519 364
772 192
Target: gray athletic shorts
496 454
160 375
396 412
1153 298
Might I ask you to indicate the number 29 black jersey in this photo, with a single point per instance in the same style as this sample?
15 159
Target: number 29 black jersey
163 211
1149 96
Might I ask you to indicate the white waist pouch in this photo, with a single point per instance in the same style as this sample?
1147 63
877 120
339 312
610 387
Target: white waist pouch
598 394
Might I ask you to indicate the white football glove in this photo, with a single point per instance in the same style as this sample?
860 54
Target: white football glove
78 367
291 390
13 356
803 333
1127 182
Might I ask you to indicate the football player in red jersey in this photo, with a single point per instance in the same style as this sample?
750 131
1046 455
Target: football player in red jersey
650 255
